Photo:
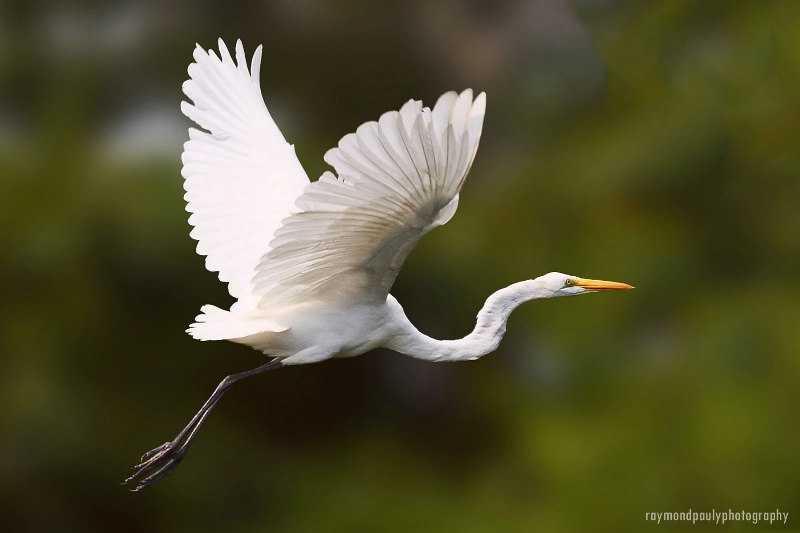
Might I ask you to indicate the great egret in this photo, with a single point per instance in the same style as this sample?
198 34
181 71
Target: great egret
311 263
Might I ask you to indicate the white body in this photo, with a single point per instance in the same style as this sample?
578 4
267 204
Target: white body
317 331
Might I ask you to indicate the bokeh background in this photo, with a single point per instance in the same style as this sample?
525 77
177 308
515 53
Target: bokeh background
649 142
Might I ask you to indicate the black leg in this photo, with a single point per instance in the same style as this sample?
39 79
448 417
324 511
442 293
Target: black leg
160 462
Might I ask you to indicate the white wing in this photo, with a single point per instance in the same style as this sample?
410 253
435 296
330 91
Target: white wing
397 179
242 178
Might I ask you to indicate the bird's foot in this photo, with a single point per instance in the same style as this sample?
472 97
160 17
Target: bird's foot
157 464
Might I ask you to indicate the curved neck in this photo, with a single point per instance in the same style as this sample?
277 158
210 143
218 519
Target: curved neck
485 338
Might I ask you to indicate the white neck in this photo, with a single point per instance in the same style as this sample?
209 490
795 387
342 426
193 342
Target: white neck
486 336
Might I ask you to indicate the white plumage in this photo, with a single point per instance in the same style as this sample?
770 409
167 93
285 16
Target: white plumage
311 264
242 178
395 179
279 240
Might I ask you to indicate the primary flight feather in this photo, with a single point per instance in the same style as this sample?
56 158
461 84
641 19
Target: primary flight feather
311 264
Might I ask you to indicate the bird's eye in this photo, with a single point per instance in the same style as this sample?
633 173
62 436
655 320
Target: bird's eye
568 282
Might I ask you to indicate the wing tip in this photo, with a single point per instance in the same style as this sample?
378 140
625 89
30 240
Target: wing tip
478 105
255 64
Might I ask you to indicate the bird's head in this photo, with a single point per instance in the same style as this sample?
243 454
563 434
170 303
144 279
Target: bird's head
557 284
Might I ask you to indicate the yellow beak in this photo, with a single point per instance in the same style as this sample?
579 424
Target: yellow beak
600 285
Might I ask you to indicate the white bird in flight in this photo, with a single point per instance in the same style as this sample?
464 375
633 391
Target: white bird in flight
311 263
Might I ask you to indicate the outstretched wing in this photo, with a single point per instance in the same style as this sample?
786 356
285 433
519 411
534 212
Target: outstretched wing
242 177
398 178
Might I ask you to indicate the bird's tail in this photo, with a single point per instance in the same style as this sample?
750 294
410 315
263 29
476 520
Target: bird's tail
214 324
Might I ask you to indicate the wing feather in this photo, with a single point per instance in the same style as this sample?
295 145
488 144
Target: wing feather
397 178
241 176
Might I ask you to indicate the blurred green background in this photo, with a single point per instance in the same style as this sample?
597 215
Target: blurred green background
650 142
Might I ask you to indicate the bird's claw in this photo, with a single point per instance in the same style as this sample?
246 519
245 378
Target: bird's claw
155 451
156 464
